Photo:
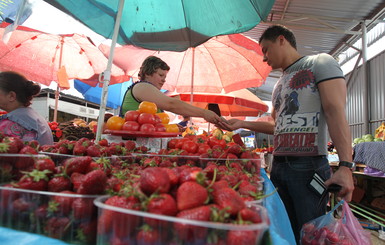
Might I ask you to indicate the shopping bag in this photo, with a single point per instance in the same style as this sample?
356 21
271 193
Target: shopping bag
328 229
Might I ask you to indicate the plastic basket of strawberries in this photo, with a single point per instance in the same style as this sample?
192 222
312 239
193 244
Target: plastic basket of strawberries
161 205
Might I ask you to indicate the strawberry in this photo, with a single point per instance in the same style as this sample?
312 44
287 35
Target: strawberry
173 175
77 164
21 205
121 225
23 162
76 180
235 149
147 236
154 179
57 227
130 145
219 185
190 194
93 183
163 204
231 178
247 189
94 151
191 174
228 199
14 141
45 164
41 213
59 184
86 232
62 204
84 209
34 144
249 215
35 180
191 233
7 196
28 150
6 169
7 148
103 142
241 237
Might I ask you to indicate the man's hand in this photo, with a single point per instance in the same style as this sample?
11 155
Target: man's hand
343 177
230 125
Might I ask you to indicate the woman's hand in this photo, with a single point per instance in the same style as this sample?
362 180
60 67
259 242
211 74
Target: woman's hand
230 125
211 117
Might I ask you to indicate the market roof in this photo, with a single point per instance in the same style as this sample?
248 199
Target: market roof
327 26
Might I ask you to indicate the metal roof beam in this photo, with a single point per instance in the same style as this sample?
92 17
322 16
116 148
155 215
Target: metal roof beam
339 19
313 28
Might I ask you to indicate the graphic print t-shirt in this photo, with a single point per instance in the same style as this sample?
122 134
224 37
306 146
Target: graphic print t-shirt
300 127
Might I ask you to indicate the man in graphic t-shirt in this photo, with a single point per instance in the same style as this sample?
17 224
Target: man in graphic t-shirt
309 102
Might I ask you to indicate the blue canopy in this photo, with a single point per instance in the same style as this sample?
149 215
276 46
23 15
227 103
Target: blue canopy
93 94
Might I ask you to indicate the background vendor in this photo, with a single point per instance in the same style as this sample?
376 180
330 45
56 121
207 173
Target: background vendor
16 94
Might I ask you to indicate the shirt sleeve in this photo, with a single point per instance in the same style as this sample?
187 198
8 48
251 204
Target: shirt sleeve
327 68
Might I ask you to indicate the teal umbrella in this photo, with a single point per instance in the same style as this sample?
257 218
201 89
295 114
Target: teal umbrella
173 25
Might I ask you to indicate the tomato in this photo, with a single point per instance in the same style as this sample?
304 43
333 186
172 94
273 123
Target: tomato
115 123
172 128
147 127
131 115
146 118
163 117
131 126
147 107
160 127
157 119
190 146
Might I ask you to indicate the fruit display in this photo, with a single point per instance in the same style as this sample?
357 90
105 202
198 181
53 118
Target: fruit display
366 138
87 147
47 195
145 119
380 132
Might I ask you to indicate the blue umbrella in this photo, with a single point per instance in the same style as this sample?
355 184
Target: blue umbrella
93 94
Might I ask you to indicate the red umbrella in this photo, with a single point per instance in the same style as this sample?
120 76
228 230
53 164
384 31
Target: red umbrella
39 56
44 58
229 63
234 104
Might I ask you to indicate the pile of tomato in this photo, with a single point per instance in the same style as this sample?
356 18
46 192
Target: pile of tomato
145 119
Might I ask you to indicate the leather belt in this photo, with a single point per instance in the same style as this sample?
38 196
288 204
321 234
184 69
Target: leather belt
295 158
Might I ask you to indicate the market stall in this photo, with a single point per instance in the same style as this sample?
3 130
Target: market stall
280 229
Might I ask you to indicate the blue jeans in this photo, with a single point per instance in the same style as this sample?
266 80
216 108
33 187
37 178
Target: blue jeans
292 177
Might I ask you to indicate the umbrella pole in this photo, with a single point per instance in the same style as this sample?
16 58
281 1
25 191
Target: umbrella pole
107 72
192 76
57 88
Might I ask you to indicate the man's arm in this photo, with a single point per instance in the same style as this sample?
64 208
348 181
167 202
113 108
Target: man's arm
260 127
333 99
